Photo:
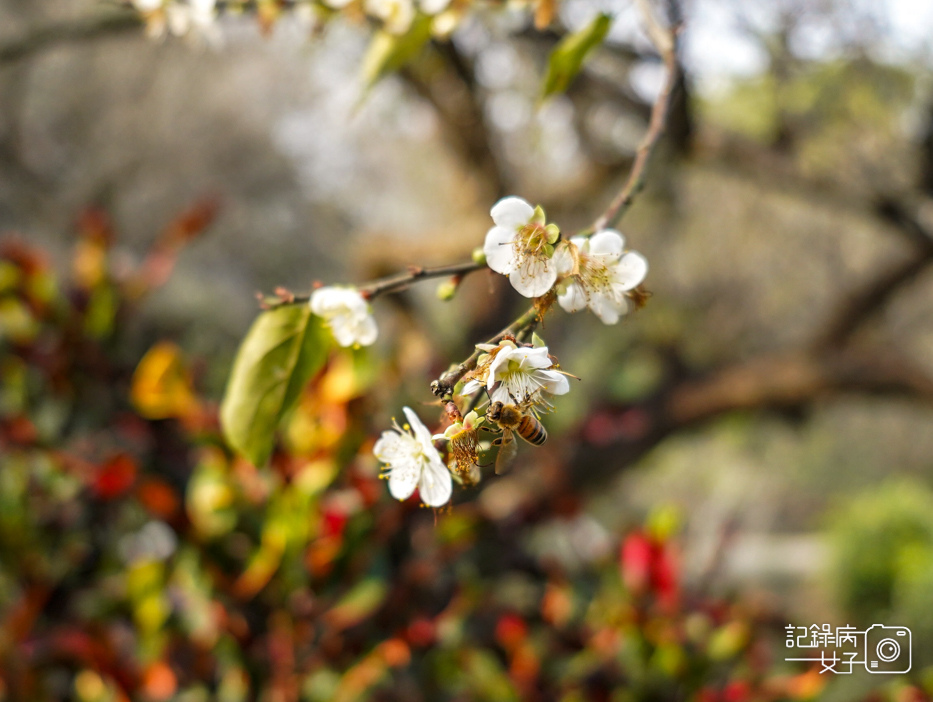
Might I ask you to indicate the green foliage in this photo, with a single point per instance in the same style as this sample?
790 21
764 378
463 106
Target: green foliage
389 52
282 351
568 56
883 547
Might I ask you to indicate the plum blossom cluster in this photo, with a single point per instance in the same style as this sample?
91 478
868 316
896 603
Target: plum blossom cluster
523 377
594 272
197 17
506 386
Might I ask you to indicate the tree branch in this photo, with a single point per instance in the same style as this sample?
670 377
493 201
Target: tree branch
665 42
867 301
391 284
42 38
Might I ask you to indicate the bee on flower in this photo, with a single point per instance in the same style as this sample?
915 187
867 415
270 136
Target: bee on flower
519 375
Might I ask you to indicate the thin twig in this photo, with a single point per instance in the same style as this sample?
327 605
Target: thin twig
666 46
444 386
395 283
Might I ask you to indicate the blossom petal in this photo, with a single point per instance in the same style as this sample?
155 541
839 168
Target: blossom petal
421 432
343 327
573 299
500 254
533 277
532 358
554 382
607 244
511 212
608 308
499 393
403 478
629 271
366 331
390 447
563 259
470 387
435 485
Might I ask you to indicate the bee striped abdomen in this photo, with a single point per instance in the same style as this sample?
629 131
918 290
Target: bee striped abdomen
532 431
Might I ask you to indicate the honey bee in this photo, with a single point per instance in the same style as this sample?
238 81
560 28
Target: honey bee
512 419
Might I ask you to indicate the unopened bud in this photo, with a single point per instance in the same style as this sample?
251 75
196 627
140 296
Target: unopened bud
479 256
446 290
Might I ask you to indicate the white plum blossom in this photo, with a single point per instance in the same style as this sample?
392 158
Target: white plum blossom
347 314
413 462
521 246
599 273
519 375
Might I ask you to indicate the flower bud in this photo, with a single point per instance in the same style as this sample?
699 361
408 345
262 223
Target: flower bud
446 290
479 256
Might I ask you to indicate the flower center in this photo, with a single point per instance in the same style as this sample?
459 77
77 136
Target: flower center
531 240
594 274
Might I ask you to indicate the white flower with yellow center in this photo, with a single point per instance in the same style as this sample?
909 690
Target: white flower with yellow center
347 314
413 462
519 375
521 246
599 274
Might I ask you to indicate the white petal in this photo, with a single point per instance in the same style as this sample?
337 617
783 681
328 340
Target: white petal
629 271
511 212
322 301
563 259
499 364
390 447
607 244
435 485
499 251
573 299
534 277
532 358
421 432
470 387
403 478
366 331
499 393
554 382
343 327
608 308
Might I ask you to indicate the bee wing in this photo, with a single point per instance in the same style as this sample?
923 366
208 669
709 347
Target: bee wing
508 449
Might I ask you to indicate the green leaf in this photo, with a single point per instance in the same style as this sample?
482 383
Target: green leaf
567 58
282 351
388 52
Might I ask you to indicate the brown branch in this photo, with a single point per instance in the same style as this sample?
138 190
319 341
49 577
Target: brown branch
665 42
391 284
794 380
444 386
83 29
863 304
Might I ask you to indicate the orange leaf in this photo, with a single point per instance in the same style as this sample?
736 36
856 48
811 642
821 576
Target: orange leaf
161 385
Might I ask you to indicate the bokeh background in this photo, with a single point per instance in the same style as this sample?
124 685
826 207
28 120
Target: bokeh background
749 451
